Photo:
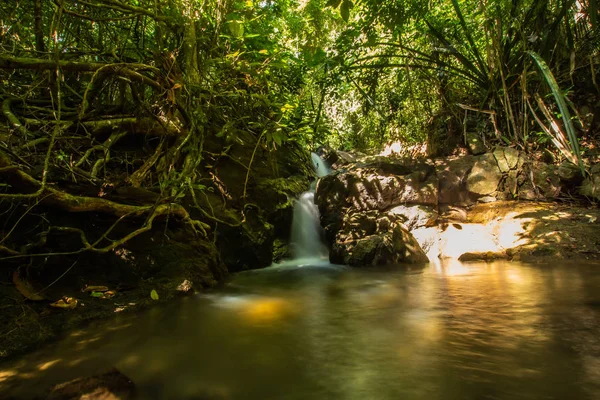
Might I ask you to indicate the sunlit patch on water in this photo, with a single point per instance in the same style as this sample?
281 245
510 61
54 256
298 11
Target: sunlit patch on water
255 309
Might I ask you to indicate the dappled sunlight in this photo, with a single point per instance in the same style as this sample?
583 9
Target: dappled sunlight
466 238
83 352
452 267
45 365
508 230
4 375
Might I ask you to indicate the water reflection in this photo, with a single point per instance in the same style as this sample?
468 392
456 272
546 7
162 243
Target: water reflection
453 331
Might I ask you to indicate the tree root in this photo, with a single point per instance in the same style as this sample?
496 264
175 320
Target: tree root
12 118
83 204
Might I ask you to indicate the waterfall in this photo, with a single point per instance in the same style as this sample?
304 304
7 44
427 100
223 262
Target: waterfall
306 229
306 240
320 167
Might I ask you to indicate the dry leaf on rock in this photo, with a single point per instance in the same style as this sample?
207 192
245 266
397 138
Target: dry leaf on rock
68 303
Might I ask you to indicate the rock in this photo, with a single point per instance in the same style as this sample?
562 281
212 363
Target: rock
484 176
487 199
450 213
261 196
377 186
185 286
590 187
546 179
248 246
475 144
569 173
397 246
413 217
484 256
389 210
110 385
357 253
507 159
405 248
452 177
328 155
170 261
510 186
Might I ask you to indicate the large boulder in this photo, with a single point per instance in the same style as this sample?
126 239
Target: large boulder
368 208
370 241
378 184
484 176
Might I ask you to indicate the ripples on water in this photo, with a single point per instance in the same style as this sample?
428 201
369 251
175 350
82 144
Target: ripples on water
473 331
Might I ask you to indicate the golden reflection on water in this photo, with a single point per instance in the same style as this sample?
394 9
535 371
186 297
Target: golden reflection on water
266 310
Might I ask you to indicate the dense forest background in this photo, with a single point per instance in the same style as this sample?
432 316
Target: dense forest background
106 93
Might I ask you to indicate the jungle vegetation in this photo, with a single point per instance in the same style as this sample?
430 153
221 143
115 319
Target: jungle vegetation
105 92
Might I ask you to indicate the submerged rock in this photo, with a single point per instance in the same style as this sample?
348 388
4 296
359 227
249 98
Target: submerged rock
110 385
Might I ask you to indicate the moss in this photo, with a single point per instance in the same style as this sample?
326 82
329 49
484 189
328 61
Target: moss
281 250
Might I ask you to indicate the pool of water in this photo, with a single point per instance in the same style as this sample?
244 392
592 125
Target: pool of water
501 330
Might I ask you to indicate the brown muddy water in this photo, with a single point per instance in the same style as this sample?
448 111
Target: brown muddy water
501 330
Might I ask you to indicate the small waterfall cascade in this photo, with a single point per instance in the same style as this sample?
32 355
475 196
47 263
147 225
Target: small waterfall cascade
320 166
306 240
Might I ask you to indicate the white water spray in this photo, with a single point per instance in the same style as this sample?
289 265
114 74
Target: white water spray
306 228
319 165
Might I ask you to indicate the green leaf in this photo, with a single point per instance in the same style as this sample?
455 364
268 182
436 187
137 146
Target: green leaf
345 9
559 96
236 28
154 295
333 3
96 294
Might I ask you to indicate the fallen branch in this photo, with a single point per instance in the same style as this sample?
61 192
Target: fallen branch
135 125
79 204
9 62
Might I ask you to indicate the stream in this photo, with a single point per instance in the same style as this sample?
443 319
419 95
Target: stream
501 330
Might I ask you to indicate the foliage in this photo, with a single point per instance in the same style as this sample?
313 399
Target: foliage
570 147
127 93
466 52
